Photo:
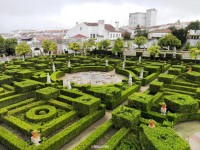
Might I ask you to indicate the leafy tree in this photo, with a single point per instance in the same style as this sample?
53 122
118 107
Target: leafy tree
127 35
2 44
22 49
154 50
138 32
141 40
10 45
193 26
49 46
104 44
118 46
187 45
198 45
194 52
181 34
169 40
89 43
74 46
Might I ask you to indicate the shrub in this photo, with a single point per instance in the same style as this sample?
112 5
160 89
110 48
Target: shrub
47 93
149 78
152 69
174 71
115 140
35 115
162 138
125 116
26 86
155 87
166 78
12 141
193 76
86 105
180 103
140 101
94 136
5 79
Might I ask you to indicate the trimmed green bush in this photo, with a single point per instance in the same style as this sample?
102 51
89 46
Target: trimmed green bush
140 101
166 78
86 105
12 141
46 93
193 76
26 86
155 87
125 116
35 115
115 140
180 103
174 71
149 78
152 69
5 79
162 138
94 136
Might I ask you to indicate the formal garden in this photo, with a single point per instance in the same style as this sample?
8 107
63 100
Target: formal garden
39 109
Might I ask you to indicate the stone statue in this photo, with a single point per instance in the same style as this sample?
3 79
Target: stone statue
48 78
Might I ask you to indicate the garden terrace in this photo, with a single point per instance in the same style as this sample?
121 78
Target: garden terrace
61 114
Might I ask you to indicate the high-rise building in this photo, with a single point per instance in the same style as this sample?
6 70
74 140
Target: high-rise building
147 19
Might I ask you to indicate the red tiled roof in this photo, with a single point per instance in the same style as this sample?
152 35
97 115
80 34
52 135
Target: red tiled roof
79 36
108 27
161 31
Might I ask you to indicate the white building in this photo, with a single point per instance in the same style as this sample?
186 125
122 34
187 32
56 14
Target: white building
98 31
147 19
156 34
193 37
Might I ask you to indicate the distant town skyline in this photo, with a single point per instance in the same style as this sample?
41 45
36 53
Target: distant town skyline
63 14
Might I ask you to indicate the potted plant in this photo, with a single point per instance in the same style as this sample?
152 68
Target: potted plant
163 108
35 137
151 123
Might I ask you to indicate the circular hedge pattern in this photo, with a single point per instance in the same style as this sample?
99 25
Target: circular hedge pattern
41 113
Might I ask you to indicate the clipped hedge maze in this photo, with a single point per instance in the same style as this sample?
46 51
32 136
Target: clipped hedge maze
28 103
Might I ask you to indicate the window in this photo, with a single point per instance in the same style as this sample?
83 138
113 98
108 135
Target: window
80 28
93 36
90 35
116 35
111 36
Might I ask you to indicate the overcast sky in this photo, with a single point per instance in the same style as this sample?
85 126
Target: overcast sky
59 14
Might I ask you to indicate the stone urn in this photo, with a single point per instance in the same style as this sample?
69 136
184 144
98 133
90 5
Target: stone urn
163 109
151 123
35 138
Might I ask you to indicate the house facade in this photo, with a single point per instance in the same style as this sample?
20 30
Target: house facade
86 30
156 34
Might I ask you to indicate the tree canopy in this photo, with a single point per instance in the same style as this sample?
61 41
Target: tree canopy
74 46
154 50
49 46
127 35
139 32
169 40
118 46
2 44
141 40
22 48
181 34
89 43
193 26
194 51
104 44
10 45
